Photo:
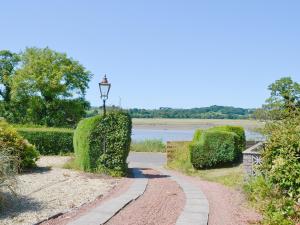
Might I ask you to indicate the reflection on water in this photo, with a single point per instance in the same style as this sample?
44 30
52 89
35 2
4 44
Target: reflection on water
178 135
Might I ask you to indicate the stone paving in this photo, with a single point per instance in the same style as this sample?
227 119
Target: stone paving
196 210
107 210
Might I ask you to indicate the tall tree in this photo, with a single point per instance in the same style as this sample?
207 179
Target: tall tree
52 86
50 74
8 63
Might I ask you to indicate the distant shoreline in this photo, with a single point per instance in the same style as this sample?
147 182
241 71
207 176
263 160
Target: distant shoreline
191 124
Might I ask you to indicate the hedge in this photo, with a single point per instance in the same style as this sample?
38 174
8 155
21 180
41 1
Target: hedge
217 146
239 131
49 141
91 134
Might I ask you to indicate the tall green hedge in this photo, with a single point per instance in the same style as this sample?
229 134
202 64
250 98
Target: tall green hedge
217 146
49 141
91 134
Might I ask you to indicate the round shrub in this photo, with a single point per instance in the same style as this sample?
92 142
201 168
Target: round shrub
102 144
13 143
214 149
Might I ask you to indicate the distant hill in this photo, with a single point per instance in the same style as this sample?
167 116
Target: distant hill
211 112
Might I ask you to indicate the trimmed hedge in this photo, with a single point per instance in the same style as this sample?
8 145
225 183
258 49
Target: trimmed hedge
217 146
113 130
239 131
49 141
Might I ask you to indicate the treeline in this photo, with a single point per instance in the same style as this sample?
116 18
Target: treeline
211 112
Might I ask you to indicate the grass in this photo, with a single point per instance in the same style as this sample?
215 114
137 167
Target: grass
150 145
71 164
229 176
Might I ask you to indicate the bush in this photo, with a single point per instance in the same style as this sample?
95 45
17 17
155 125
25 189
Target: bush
113 131
280 173
239 131
148 146
11 142
8 170
49 141
214 149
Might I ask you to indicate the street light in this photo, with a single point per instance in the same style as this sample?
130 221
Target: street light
104 87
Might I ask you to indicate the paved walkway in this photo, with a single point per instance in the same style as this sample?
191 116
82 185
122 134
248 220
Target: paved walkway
107 210
196 209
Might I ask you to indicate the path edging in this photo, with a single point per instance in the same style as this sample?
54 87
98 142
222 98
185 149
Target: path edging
107 210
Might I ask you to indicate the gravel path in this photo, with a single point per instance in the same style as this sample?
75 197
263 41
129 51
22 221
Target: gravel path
50 190
226 206
161 204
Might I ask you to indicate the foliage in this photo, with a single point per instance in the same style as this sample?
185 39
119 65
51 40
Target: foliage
49 141
217 146
214 149
180 160
153 145
212 112
46 88
8 170
197 135
239 131
91 134
284 100
278 187
8 63
277 209
11 142
50 74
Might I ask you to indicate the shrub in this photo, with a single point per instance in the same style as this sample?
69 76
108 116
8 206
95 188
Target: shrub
148 146
239 131
8 170
49 141
215 148
91 134
11 142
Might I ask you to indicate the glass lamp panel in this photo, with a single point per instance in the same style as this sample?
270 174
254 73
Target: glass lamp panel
104 89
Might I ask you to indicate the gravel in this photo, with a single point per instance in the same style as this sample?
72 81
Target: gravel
50 190
227 206
161 204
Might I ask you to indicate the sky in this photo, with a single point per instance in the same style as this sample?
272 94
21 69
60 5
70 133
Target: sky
165 53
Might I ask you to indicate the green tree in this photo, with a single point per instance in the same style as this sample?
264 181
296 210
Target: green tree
8 63
50 74
47 82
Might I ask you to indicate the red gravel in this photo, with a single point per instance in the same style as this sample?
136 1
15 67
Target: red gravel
226 206
161 204
122 187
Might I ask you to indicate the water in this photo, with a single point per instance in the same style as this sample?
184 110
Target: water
179 135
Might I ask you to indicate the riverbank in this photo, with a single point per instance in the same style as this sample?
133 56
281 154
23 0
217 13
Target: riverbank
190 124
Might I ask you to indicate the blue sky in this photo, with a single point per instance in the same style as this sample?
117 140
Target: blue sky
166 53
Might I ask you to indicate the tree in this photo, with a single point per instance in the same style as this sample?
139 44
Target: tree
8 63
52 86
285 95
49 74
283 101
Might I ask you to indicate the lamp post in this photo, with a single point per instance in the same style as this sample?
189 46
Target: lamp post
104 87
